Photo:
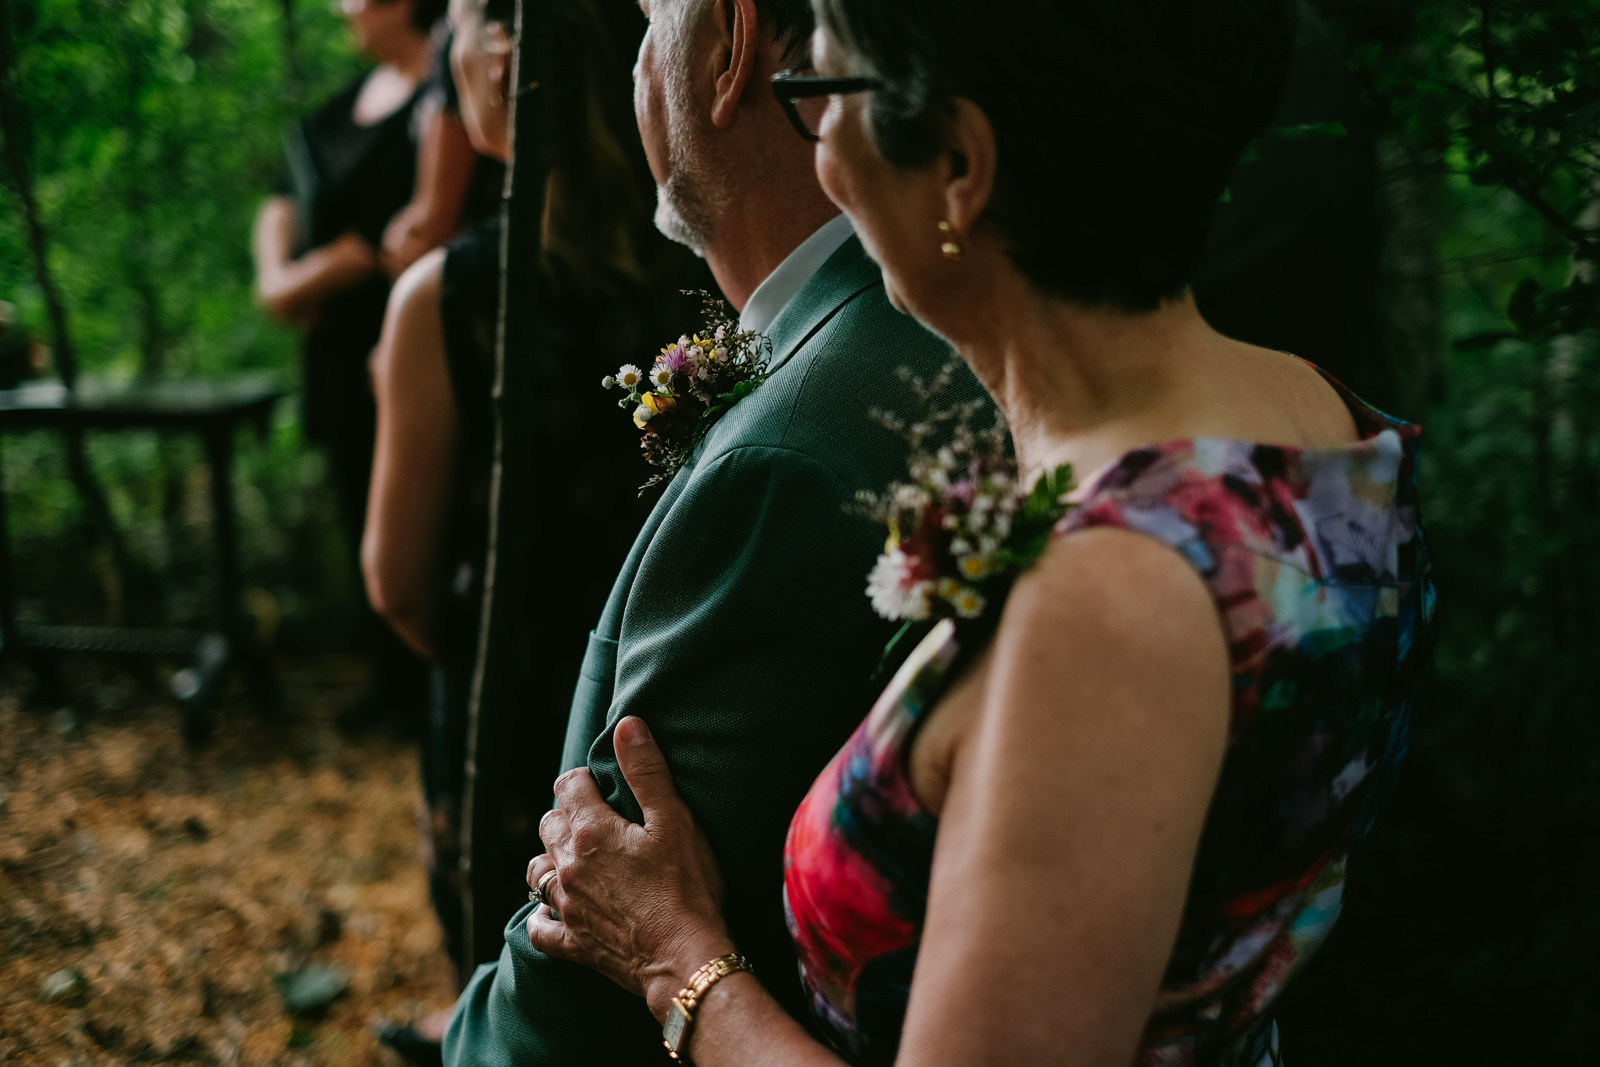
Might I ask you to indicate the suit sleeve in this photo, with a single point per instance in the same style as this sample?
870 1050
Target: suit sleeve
747 643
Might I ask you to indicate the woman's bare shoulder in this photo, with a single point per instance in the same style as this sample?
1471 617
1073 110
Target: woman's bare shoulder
413 331
1108 610
419 282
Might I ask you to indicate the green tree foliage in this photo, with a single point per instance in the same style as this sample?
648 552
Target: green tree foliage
1471 934
155 130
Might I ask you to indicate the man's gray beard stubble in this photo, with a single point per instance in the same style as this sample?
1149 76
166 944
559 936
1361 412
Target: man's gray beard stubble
688 204
684 211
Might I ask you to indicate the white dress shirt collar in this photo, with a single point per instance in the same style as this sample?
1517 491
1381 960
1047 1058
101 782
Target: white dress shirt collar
780 287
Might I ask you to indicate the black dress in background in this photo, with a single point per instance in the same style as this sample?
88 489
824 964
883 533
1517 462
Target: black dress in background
349 178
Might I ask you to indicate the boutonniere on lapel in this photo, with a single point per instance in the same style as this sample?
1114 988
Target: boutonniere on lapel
691 384
963 525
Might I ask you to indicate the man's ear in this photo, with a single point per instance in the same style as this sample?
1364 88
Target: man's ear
967 165
737 56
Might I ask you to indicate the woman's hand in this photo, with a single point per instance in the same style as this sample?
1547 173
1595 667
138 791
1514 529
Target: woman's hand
640 904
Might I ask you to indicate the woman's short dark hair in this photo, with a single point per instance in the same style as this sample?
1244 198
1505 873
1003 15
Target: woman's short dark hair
1116 122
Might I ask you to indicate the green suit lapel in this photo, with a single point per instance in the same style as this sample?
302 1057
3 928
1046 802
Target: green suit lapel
846 274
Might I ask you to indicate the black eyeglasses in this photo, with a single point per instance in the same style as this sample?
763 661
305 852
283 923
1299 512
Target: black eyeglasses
805 97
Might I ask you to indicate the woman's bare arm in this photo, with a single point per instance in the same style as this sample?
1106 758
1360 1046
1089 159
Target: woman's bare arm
413 465
292 288
445 162
1076 803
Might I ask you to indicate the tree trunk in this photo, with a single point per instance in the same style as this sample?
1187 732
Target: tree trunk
1408 275
512 485
291 54
14 129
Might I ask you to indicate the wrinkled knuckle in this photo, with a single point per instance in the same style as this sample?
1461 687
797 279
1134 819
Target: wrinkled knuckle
568 780
585 839
552 826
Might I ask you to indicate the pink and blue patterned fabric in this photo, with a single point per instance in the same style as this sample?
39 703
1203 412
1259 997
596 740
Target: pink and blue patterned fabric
1319 570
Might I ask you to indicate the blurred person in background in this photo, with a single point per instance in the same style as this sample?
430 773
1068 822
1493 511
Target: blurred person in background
427 523
352 167
456 187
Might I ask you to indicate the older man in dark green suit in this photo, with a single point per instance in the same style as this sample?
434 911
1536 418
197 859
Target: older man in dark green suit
739 628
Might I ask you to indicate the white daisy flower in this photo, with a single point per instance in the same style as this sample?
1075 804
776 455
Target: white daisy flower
629 376
895 594
662 377
973 566
910 498
967 602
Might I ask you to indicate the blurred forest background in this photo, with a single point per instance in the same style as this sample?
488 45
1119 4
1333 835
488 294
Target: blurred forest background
155 129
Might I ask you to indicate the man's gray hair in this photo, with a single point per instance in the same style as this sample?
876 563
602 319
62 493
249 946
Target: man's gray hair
793 21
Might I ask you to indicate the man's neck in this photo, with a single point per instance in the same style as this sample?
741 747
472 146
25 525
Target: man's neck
757 232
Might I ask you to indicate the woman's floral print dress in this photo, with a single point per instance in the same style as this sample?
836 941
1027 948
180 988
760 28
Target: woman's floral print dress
1319 570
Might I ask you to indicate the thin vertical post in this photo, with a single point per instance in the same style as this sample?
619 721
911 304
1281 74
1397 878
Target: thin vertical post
521 300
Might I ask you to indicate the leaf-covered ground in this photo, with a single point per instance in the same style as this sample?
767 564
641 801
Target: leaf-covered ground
179 881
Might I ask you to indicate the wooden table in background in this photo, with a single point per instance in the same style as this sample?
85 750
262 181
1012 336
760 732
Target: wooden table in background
211 409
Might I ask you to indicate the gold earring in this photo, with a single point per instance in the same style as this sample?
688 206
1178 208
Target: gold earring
951 250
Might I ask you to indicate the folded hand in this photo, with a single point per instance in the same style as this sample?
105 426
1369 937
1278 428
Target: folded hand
642 904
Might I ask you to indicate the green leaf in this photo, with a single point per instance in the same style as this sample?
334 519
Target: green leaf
888 649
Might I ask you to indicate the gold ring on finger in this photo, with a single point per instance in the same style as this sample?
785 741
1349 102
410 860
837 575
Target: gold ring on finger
540 893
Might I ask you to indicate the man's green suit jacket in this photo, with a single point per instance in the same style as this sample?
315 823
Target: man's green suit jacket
740 630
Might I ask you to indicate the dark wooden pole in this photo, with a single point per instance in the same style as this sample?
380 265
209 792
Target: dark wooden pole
509 514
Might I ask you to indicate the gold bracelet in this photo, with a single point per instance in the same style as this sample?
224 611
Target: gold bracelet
680 1020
